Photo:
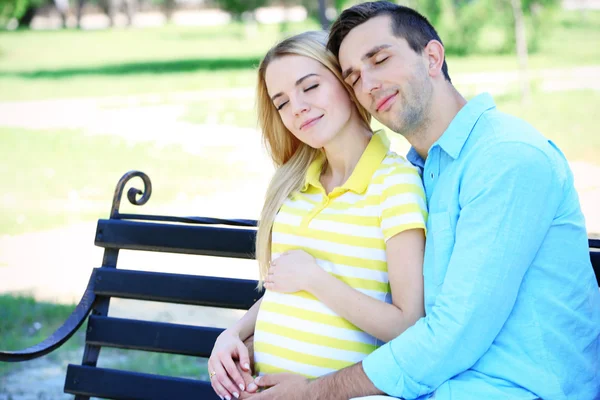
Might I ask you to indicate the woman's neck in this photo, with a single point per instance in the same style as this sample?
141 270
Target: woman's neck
343 153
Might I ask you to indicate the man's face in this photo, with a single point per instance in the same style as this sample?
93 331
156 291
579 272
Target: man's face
389 78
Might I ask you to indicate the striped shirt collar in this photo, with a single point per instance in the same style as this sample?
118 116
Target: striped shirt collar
368 163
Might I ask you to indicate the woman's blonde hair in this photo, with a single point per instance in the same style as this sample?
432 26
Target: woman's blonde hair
290 156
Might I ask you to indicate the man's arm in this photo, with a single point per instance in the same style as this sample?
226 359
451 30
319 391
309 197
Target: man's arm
347 383
508 200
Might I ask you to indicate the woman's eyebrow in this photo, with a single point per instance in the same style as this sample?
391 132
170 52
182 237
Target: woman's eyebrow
299 81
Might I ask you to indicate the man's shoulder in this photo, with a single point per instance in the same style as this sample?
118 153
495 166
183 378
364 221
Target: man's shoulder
507 137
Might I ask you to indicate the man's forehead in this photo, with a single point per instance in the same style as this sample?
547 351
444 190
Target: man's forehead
364 37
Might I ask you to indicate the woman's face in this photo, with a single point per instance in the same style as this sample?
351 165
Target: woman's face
312 103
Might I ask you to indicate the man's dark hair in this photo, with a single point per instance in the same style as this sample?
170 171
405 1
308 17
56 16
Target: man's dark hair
406 23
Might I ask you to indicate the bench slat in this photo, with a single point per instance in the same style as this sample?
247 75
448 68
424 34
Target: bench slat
208 240
176 288
123 385
151 336
595 257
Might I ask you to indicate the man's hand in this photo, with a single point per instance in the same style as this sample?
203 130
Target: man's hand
341 385
282 386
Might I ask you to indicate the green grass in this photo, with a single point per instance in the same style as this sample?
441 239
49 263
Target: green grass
567 118
172 58
155 363
120 62
52 178
25 322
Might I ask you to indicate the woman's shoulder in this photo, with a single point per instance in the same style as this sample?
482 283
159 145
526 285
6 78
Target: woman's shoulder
393 163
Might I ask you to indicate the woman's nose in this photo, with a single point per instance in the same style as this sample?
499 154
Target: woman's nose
300 107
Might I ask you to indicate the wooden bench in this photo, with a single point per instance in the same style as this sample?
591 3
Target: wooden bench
201 236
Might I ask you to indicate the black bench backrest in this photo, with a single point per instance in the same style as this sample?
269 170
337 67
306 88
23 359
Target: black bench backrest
114 234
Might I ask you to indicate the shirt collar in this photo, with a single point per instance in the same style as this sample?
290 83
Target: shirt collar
454 138
368 163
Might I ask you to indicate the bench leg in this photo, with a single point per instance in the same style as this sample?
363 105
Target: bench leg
91 353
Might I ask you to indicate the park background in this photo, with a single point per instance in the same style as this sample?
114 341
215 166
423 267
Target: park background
91 90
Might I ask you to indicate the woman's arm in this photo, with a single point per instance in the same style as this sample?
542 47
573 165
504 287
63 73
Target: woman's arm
385 321
229 347
244 328
296 270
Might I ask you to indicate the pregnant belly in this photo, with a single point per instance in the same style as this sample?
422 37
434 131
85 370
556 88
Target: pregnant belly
297 333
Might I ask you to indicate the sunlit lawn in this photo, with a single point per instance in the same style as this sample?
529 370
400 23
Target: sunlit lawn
57 177
37 65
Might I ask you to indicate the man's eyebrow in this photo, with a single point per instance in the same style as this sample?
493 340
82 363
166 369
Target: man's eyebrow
299 81
367 55
375 50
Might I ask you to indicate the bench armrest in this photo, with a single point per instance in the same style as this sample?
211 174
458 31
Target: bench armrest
61 335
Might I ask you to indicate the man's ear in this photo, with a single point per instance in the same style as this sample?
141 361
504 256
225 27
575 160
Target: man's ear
434 53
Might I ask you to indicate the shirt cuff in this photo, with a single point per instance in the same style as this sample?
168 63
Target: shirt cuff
382 369
388 376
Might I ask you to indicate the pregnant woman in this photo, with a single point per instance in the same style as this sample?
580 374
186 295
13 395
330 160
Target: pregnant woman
341 235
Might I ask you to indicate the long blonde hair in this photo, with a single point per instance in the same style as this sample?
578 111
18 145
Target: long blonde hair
290 156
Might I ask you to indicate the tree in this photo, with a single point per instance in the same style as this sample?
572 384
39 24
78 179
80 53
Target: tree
238 7
521 49
22 10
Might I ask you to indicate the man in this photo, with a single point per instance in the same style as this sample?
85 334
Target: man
512 306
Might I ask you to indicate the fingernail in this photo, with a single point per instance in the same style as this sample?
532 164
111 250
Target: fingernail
227 397
241 387
257 380
252 386
236 395
247 366
222 398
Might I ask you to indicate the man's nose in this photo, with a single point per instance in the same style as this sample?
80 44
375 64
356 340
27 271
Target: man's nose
369 84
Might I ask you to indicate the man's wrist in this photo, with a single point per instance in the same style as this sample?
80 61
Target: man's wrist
341 385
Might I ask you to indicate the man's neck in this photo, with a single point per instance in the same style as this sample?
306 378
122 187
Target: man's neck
446 103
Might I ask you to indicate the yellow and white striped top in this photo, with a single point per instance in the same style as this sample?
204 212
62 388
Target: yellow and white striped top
346 231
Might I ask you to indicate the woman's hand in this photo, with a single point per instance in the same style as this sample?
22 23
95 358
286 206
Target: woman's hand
293 271
227 381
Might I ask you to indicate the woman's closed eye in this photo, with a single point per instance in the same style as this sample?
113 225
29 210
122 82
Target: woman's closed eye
377 62
279 107
311 87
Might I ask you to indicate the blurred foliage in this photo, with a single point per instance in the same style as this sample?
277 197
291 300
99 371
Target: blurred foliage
464 25
16 9
238 7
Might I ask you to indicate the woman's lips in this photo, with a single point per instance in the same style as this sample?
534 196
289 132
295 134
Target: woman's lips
310 122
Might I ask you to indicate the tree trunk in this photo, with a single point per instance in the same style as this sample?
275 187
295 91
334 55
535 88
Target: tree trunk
323 15
27 17
521 50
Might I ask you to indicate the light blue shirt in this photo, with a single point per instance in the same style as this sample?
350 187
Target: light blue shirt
512 305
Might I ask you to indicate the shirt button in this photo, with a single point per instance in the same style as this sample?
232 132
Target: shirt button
432 175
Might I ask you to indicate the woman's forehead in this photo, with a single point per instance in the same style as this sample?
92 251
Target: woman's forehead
290 69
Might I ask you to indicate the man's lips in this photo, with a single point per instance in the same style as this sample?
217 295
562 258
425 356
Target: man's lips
305 123
386 101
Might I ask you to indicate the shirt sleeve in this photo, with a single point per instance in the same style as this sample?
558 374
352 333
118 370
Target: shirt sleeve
403 203
508 199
